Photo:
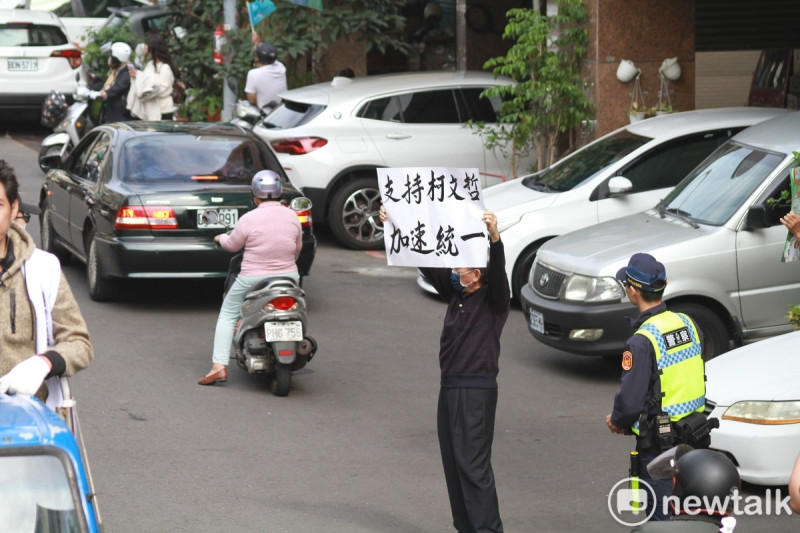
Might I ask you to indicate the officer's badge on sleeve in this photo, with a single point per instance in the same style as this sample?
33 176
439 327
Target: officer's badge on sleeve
627 361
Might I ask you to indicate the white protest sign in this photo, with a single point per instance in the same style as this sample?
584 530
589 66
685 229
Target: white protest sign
434 217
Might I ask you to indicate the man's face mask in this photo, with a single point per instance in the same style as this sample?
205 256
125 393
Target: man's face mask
455 280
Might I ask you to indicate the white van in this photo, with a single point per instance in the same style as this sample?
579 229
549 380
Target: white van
719 238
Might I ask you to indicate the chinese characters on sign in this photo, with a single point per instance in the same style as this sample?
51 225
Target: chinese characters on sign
434 217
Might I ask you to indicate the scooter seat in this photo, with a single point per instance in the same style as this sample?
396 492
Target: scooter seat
282 281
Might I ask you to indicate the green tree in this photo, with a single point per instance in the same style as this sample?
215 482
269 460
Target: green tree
548 98
299 34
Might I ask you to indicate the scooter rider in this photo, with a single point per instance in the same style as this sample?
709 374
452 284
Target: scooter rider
268 79
704 483
114 92
272 238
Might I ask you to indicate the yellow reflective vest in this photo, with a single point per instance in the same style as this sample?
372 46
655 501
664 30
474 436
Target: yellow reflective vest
680 365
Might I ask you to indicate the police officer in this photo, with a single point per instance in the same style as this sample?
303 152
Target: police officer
704 481
663 378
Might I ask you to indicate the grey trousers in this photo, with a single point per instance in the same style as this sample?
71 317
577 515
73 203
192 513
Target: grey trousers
465 421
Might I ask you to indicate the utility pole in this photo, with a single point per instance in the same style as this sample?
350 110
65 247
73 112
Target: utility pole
461 35
228 98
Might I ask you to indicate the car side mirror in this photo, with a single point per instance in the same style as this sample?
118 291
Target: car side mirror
49 162
619 185
757 217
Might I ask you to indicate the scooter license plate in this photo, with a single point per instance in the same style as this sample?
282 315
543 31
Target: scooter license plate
283 331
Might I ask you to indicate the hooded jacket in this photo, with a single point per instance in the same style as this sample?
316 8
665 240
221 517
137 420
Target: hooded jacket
71 350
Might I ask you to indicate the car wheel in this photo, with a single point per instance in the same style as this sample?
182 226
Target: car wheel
49 240
100 289
281 382
354 215
715 335
522 270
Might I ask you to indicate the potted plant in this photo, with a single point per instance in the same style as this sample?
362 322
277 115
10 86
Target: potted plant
662 108
793 316
213 106
636 112
182 112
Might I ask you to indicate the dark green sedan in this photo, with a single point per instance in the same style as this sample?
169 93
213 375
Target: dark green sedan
128 200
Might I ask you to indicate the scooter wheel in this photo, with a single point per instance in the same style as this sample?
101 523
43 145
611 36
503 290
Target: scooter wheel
281 382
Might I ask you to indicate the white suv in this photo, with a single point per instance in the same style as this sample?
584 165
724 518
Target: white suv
330 138
35 57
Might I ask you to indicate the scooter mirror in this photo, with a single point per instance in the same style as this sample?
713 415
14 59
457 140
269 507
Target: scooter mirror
301 203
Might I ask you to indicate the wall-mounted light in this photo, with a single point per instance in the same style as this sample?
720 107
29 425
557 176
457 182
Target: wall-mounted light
627 71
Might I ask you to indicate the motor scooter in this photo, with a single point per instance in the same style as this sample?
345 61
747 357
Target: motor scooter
245 114
270 337
70 129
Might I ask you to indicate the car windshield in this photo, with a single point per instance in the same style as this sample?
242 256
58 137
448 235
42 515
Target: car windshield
191 158
292 114
585 163
31 35
735 169
35 495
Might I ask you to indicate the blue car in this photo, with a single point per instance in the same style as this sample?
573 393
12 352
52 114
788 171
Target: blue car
44 481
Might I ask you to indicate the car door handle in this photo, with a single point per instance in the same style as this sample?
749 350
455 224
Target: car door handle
398 136
88 200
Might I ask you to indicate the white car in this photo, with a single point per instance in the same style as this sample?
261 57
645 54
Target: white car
331 137
35 57
754 391
624 172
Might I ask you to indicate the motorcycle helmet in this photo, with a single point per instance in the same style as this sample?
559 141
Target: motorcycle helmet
121 52
266 185
266 53
53 109
706 474
432 10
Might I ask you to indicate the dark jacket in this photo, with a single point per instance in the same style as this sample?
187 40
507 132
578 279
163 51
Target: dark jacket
115 107
469 347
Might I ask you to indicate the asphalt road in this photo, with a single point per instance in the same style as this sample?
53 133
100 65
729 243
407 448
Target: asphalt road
353 448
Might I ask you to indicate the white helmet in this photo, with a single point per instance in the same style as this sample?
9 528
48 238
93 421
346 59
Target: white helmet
121 51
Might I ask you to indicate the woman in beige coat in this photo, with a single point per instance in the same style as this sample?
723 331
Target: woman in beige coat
152 86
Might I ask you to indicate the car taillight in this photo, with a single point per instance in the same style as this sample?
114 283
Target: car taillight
73 56
305 218
298 145
282 303
145 217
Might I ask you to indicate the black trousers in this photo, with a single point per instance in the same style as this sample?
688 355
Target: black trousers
465 421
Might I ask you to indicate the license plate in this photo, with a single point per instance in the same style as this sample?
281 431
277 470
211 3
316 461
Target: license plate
227 217
283 331
20 64
537 321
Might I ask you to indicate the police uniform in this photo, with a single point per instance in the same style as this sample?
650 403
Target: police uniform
663 372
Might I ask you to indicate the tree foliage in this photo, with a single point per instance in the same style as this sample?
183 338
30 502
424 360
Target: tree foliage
548 97
299 34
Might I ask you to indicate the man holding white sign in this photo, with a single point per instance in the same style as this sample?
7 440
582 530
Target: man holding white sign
479 300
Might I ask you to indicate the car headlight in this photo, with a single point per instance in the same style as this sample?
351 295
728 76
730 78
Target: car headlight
586 289
767 413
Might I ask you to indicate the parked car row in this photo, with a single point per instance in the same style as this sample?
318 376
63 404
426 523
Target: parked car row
719 235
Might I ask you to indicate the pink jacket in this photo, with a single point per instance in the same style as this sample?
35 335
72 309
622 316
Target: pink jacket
271 237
